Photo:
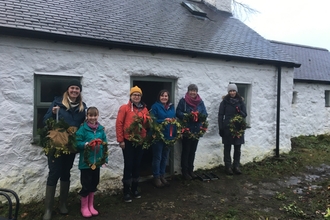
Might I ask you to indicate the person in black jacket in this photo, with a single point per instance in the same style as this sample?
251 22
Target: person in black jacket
231 105
71 109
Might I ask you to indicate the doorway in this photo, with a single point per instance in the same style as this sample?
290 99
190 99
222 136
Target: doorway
150 87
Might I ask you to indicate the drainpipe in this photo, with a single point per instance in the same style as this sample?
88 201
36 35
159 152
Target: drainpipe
278 110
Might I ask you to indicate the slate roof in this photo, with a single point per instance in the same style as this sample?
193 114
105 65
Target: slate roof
315 62
146 24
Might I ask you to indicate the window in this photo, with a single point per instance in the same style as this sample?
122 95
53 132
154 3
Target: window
294 97
244 89
327 98
46 88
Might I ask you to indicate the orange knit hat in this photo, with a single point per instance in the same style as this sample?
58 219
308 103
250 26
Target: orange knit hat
135 89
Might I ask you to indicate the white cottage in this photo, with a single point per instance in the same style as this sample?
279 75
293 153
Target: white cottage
113 45
311 91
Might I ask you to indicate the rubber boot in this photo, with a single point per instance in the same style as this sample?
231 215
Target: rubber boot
91 204
64 192
84 207
49 202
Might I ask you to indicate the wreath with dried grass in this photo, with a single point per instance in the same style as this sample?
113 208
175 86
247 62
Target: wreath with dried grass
57 138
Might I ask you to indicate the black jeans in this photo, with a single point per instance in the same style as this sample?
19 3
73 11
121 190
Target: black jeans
132 160
227 156
89 180
59 168
189 147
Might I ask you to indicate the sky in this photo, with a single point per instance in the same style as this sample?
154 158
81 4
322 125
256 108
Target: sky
303 22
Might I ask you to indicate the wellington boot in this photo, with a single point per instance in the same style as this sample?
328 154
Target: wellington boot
158 183
49 202
64 192
84 207
91 204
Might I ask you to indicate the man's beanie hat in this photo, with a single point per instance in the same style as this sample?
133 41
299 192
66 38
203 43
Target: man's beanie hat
232 87
74 82
135 89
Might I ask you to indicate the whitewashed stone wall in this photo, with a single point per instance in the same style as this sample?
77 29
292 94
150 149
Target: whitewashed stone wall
106 82
310 115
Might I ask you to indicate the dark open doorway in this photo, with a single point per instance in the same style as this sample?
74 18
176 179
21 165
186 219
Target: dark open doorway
150 89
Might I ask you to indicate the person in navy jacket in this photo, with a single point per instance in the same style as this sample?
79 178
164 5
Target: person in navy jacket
71 108
163 110
191 103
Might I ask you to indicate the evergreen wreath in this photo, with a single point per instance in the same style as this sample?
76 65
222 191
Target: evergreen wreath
197 118
53 148
91 147
159 131
135 129
237 125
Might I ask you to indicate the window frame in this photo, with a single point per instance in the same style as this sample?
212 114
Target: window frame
247 98
327 98
38 103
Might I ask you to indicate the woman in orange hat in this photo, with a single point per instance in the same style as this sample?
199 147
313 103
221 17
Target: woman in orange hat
132 150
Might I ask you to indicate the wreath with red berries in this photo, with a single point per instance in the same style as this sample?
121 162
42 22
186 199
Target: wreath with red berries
92 146
197 118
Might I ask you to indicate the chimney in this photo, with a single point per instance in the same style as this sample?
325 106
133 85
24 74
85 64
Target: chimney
222 5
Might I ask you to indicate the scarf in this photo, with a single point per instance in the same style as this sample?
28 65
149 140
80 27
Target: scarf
93 126
233 101
73 104
192 102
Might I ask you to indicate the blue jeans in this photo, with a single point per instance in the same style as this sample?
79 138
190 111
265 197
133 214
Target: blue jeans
160 154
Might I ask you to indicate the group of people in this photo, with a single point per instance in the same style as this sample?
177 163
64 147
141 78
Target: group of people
91 141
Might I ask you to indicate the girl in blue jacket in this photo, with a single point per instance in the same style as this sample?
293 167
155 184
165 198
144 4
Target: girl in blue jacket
162 110
92 146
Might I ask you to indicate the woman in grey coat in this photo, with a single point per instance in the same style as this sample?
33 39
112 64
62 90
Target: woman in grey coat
231 105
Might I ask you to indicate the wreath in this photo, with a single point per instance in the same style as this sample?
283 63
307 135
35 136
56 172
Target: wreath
57 138
196 118
237 125
160 131
94 145
135 129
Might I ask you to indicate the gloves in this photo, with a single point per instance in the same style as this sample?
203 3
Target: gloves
221 133
237 109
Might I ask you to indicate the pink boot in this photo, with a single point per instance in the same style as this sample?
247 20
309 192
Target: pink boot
84 207
91 204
